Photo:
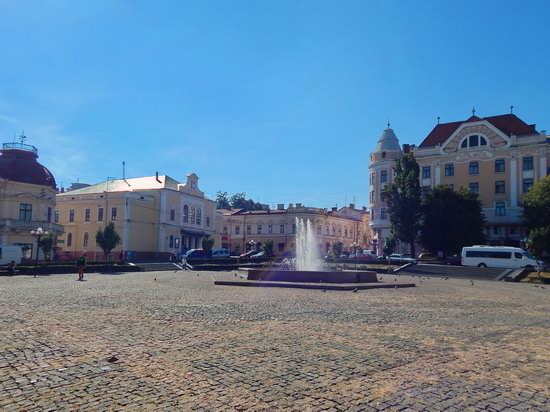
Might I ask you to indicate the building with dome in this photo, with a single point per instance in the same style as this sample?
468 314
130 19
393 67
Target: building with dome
27 197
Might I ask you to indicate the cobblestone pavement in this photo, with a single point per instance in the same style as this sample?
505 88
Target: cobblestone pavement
182 343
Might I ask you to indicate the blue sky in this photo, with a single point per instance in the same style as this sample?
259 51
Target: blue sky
282 100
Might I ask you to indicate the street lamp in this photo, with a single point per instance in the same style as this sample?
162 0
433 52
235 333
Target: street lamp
252 244
38 233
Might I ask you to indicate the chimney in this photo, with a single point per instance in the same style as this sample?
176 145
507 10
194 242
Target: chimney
334 209
290 205
280 206
364 208
352 205
298 205
157 177
406 148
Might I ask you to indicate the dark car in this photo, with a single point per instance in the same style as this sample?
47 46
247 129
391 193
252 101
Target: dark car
452 260
195 254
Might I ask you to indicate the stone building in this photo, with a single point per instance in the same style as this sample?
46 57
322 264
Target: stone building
155 215
243 230
27 197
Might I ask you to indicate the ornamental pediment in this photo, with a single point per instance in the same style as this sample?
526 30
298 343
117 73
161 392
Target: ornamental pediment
478 154
495 137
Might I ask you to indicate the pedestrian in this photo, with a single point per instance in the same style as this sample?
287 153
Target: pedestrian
11 268
81 265
121 256
183 262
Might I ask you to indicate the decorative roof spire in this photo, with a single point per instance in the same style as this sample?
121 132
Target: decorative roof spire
388 122
438 119
473 111
511 109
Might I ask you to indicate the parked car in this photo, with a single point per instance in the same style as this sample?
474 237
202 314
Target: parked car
195 254
452 260
427 257
401 259
220 253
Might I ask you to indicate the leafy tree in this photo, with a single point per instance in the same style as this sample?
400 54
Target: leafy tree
403 199
389 245
207 245
239 201
46 244
451 220
268 247
337 249
536 216
108 238
222 200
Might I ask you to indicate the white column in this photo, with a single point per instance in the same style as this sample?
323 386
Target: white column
513 183
437 172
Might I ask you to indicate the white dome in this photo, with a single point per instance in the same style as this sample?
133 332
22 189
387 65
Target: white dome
388 142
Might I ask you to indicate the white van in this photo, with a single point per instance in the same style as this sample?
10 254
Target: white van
9 253
497 257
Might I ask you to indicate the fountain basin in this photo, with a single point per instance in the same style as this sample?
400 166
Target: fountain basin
308 276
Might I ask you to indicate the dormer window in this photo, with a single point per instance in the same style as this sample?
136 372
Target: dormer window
473 141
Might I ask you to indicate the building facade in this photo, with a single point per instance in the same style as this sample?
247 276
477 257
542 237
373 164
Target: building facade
499 157
156 216
245 230
27 198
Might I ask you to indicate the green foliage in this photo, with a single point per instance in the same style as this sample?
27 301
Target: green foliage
403 199
268 247
536 216
222 200
389 245
337 249
538 241
239 201
46 244
108 238
451 220
207 245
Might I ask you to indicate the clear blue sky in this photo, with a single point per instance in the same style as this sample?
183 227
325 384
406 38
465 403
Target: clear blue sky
282 100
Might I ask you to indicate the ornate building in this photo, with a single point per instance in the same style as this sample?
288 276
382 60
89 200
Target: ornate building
27 197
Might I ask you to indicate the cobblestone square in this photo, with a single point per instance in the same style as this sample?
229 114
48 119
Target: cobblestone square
174 341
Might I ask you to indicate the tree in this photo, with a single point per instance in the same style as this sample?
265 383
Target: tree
239 201
389 245
46 244
207 245
268 247
536 216
403 199
337 249
451 220
108 238
222 200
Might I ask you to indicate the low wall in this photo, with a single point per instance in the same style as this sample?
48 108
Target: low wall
346 276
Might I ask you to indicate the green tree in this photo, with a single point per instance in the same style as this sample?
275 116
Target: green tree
403 199
222 200
451 220
46 244
108 238
389 245
337 249
207 245
268 247
536 216
239 201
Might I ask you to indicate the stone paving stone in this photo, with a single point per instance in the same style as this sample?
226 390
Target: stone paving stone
184 344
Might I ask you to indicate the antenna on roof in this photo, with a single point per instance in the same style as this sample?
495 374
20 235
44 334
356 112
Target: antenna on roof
22 137
473 111
124 170
388 122
511 109
438 119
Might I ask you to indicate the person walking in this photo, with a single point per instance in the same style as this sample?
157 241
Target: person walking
183 262
81 265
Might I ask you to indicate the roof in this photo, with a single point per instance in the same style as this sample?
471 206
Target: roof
128 185
388 141
20 165
509 124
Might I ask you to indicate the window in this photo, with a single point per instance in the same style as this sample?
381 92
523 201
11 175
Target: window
527 184
518 255
371 196
500 186
25 211
86 238
474 187
270 229
528 163
172 214
56 216
326 230
372 178
340 232
294 228
71 215
207 221
426 172
333 230
474 168
383 176
69 239
199 216
225 230
473 141
282 229
100 214
237 230
49 214
383 214
259 229
248 230
192 215
113 213
449 169
500 209
497 230
171 242
346 232
185 214
87 215
176 242
500 166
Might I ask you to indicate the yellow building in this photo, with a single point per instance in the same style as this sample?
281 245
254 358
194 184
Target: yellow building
243 230
27 197
156 216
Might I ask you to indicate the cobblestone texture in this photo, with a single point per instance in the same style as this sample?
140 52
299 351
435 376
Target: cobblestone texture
182 343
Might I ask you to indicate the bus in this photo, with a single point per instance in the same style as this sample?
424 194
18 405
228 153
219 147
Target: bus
497 257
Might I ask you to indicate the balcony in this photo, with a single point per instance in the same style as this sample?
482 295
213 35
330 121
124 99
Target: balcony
512 216
28 225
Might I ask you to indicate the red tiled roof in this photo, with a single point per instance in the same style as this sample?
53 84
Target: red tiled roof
507 123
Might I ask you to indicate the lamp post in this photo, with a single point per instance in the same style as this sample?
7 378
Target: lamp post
38 233
252 244
354 248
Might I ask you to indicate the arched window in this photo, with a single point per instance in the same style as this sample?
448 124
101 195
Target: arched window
86 239
198 219
171 242
69 239
473 141
192 217
185 214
